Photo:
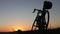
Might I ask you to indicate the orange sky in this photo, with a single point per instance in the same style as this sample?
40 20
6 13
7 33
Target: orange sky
16 27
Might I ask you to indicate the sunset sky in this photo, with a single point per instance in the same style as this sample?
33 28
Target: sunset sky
17 14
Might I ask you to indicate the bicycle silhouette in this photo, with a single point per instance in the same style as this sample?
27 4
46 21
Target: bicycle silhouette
40 20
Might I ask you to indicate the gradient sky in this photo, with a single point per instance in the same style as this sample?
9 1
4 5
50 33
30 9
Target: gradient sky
18 13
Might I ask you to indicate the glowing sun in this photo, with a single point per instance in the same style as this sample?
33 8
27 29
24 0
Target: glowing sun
16 28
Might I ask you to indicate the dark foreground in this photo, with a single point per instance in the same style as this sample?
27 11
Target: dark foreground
52 31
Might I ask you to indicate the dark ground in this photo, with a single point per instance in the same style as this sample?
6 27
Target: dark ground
50 31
